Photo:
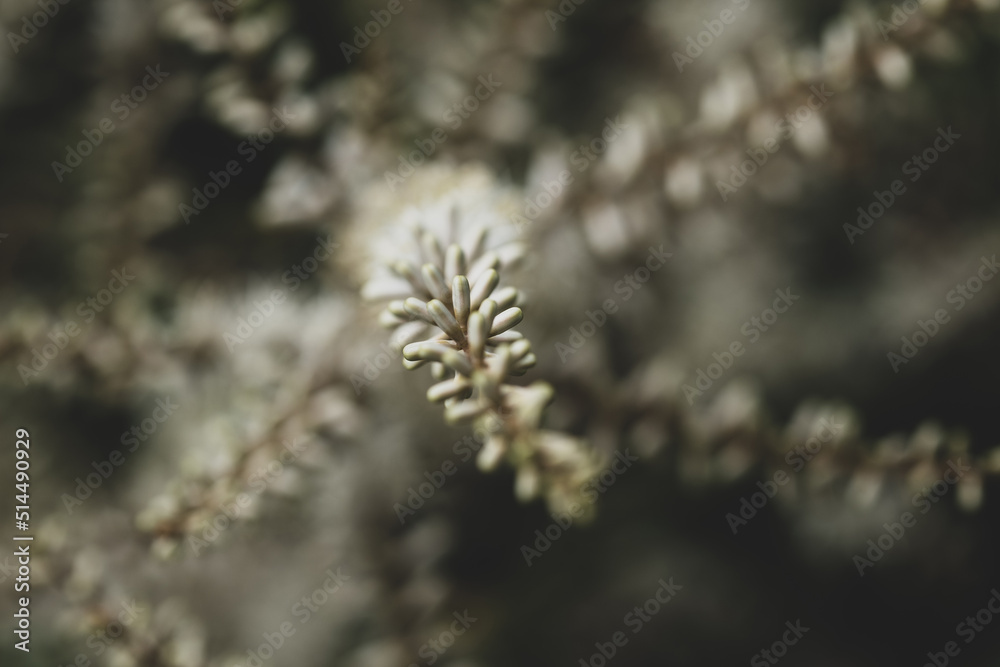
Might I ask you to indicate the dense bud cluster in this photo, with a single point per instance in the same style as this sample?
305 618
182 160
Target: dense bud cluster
460 322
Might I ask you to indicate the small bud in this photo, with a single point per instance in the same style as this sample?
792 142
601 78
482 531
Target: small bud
457 361
461 298
463 411
506 320
435 282
418 309
447 389
454 262
488 311
444 319
477 335
483 287
506 297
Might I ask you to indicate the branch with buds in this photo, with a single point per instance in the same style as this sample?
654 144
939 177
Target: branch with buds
464 329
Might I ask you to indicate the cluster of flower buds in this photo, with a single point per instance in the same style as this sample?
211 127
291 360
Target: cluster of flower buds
460 321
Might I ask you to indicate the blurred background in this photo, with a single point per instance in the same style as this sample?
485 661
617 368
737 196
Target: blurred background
229 465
